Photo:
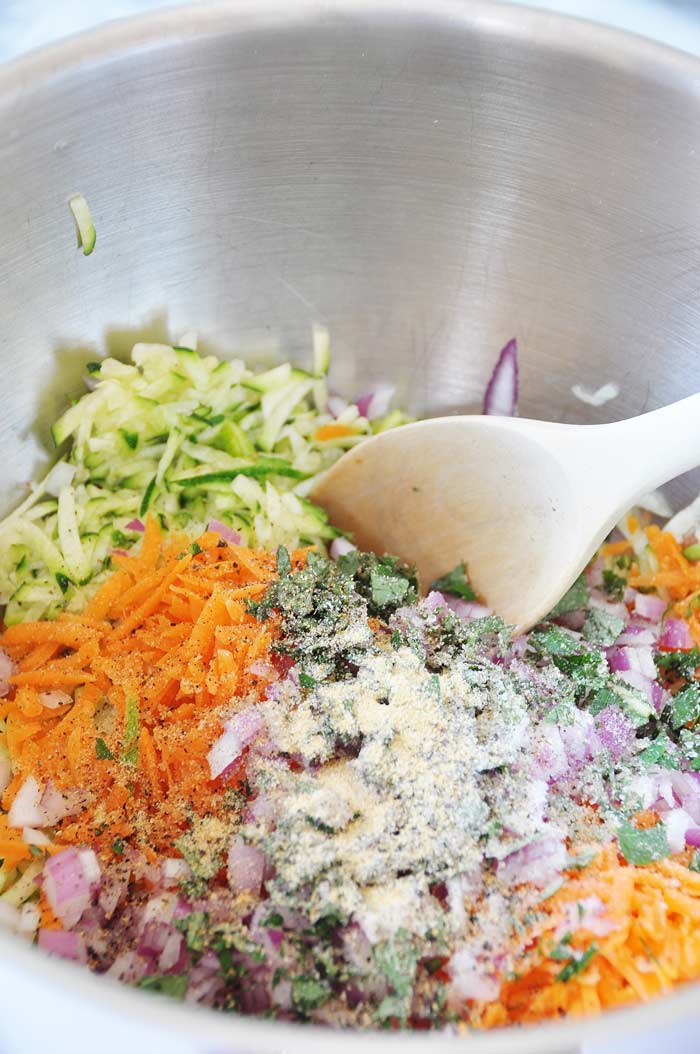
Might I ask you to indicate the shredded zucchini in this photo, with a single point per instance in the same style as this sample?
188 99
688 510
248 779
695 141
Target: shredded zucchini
184 437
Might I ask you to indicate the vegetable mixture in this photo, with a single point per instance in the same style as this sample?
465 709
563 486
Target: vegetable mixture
252 772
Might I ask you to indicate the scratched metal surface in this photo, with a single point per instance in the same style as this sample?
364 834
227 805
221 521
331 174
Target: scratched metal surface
425 178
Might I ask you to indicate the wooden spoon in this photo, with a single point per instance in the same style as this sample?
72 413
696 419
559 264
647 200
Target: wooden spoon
525 504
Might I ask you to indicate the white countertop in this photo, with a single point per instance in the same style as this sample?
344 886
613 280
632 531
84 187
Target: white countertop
46 1021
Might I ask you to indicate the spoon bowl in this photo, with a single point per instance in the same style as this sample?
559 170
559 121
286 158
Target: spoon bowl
523 504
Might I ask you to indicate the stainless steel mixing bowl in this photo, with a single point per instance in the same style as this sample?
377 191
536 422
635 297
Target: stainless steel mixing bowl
426 177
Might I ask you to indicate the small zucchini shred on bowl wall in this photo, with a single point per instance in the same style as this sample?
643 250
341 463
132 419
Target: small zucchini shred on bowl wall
247 772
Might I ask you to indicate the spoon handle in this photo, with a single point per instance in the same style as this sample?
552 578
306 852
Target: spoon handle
655 447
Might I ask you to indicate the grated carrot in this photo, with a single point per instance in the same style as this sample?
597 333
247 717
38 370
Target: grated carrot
650 944
182 662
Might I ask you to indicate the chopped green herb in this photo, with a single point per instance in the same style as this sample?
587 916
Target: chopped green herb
455 582
63 582
284 563
93 367
102 751
662 751
577 966
684 663
685 707
309 993
694 862
387 589
600 627
306 681
194 928
575 598
643 847
174 985
275 920
36 850
195 549
130 746
118 846
561 952
614 585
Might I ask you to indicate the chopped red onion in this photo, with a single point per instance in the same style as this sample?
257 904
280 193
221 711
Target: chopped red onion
466 609
26 810
676 636
174 870
615 731
163 907
260 668
335 405
135 525
637 636
52 700
677 822
588 913
33 837
649 606
692 837
261 810
501 397
549 758
639 681
29 917
226 749
57 804
246 865
376 403
129 967
68 881
538 862
246 725
64 944
469 980
6 670
579 737
227 533
172 955
434 600
112 892
340 547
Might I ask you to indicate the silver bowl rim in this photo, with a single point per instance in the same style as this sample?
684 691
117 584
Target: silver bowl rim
19 77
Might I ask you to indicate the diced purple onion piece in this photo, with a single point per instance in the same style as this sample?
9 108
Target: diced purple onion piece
692 837
246 866
649 606
227 533
676 635
68 881
340 547
376 403
501 397
225 750
63 943
135 525
6 670
335 405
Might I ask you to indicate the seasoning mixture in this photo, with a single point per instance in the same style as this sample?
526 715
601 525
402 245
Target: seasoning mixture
272 779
